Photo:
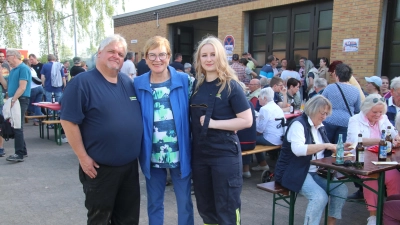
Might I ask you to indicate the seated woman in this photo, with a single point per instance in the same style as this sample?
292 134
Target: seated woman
304 141
270 130
370 122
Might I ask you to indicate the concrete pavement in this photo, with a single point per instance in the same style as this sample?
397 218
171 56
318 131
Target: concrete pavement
45 190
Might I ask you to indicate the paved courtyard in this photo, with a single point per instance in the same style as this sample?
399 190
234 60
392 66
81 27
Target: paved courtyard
45 190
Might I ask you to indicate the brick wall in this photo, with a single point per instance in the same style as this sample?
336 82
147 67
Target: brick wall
230 21
357 19
351 19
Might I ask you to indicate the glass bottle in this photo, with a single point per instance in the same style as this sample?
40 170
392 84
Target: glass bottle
340 150
360 150
53 97
389 140
382 147
291 111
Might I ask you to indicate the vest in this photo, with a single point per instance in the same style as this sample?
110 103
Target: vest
291 170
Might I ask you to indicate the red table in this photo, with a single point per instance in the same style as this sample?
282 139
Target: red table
294 115
48 105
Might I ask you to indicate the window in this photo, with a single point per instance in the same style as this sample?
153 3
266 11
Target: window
292 31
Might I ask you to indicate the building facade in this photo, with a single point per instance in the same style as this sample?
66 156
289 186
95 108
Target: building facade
363 33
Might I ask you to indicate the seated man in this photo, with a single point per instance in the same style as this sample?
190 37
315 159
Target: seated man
269 129
293 86
276 84
255 88
319 86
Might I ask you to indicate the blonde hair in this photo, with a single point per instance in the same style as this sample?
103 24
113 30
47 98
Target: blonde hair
155 42
224 72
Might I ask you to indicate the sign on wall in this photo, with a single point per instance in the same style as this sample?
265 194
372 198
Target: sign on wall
351 45
229 45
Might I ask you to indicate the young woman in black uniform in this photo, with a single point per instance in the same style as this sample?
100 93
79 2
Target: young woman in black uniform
218 109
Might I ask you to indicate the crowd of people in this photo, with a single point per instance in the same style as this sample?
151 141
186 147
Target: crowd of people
192 120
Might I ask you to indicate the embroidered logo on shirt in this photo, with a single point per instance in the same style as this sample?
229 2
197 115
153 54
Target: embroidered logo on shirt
132 98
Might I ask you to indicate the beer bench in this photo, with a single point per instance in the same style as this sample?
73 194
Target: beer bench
282 197
261 148
57 129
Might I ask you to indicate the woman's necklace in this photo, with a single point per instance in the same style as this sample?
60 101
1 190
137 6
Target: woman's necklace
371 125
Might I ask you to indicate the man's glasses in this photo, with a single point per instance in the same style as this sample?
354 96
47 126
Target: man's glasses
161 56
375 100
357 165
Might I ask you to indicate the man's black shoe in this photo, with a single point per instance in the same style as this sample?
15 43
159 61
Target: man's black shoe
15 158
358 195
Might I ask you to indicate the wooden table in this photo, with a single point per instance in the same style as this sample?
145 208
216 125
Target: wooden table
369 171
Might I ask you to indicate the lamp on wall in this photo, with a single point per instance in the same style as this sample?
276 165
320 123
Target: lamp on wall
178 31
156 14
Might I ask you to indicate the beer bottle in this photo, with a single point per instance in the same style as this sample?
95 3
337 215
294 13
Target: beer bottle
382 148
389 140
53 97
360 150
291 111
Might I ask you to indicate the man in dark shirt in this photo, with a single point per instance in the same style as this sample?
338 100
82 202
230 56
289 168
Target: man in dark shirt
142 67
107 146
177 64
37 66
77 68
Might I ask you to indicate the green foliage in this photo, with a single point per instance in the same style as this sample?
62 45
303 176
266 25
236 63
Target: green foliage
16 15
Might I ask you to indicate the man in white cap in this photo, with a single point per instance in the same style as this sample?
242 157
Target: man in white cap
373 85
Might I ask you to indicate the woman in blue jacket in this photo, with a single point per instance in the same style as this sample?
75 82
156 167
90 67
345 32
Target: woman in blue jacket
163 94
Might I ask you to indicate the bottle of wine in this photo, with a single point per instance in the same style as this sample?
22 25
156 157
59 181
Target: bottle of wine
382 147
340 150
291 111
389 140
360 150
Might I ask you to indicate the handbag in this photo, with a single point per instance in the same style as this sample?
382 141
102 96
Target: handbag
345 101
323 172
6 130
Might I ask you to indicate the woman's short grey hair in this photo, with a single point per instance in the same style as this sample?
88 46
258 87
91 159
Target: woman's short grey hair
14 52
267 93
114 38
308 65
395 83
371 101
264 81
315 104
320 83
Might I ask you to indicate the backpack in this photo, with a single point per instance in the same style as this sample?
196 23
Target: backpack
6 130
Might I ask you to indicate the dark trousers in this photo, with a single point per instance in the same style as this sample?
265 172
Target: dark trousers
19 142
217 185
113 197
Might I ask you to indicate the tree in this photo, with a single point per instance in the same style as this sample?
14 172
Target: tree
65 52
53 17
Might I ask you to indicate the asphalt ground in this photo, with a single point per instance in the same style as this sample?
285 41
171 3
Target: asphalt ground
45 190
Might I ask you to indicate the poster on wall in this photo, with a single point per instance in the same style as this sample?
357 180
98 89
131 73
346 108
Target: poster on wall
229 45
351 45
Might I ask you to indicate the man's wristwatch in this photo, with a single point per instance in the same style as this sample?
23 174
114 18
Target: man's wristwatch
12 100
